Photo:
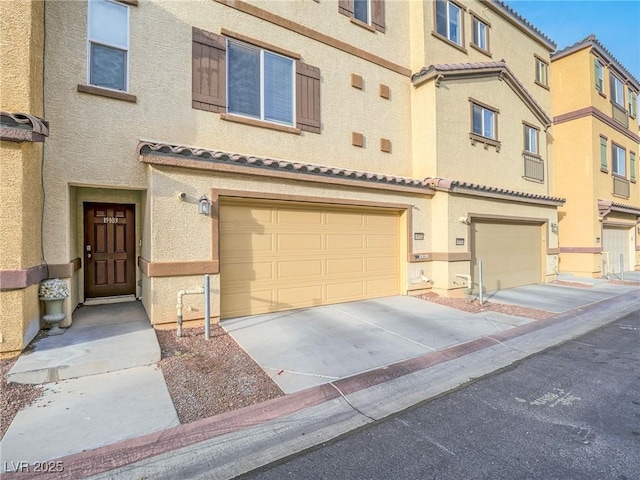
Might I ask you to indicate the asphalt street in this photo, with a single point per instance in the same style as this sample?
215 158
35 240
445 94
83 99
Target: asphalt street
571 412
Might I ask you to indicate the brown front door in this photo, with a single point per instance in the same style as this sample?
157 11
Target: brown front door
109 250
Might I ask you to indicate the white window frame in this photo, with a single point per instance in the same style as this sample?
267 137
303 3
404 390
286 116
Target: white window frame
91 41
494 114
449 3
293 85
616 152
600 76
542 72
531 138
368 20
480 33
614 91
633 103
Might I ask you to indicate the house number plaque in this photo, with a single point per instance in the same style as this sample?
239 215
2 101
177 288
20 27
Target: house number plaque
110 220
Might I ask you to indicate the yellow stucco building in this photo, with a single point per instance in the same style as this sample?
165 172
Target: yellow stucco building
301 153
595 108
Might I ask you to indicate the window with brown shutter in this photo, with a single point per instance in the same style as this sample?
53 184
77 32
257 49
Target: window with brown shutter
307 97
209 71
370 12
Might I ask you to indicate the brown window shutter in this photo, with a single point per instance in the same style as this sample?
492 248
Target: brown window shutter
377 15
345 7
307 97
209 71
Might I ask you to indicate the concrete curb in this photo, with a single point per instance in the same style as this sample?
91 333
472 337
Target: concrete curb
236 442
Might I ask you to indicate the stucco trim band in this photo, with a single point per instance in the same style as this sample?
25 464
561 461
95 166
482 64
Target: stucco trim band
604 118
314 35
22 278
553 251
473 189
22 127
580 249
65 270
178 268
203 159
439 257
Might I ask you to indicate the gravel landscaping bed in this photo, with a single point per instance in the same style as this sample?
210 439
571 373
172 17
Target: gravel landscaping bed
206 378
14 396
475 307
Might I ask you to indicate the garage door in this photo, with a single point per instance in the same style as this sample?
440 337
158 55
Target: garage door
511 254
616 241
282 256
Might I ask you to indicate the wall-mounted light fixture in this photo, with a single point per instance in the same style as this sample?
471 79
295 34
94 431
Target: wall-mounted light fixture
554 227
638 228
204 206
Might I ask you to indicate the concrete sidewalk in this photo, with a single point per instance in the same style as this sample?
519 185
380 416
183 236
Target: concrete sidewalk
100 387
230 444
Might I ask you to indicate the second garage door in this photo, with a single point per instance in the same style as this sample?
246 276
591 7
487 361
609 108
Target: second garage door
281 255
616 242
511 254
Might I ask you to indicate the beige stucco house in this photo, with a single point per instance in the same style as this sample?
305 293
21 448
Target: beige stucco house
595 108
300 153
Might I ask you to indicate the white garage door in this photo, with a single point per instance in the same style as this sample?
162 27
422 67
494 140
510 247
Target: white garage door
282 255
616 241
511 254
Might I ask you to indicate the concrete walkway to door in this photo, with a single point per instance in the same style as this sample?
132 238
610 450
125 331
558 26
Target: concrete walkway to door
303 348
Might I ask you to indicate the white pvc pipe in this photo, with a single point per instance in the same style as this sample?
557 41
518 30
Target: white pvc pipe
179 306
207 305
481 293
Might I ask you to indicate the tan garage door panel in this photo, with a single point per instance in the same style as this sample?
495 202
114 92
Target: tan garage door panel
511 254
617 242
281 256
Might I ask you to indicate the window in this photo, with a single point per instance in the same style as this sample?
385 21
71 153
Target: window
618 163
617 91
531 139
108 45
361 10
449 20
542 72
484 121
260 84
603 155
633 103
599 75
480 34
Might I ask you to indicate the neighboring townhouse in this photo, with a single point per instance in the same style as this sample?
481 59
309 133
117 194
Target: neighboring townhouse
301 154
481 114
22 133
595 108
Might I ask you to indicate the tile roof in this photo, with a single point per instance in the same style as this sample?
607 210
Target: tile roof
151 148
593 41
429 184
439 71
605 207
524 22
457 186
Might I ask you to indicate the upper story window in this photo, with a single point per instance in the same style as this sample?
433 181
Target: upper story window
480 34
618 160
449 20
598 70
362 10
633 103
260 83
617 91
531 135
484 121
108 44
542 72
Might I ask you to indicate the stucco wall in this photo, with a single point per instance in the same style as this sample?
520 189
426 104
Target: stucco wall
180 233
456 157
506 41
19 319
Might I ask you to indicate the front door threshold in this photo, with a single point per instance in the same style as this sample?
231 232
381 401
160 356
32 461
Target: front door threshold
108 300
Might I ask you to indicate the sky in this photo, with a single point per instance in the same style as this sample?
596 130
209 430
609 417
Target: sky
616 23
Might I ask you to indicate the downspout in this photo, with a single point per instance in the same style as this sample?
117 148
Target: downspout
182 293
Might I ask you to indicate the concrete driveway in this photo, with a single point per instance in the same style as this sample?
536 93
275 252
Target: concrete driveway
558 298
307 347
